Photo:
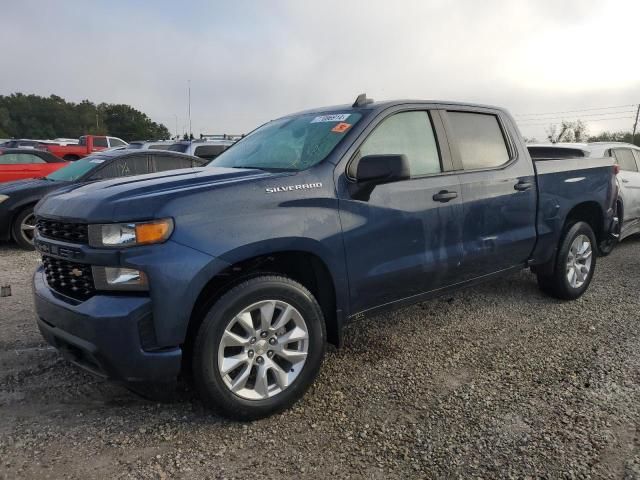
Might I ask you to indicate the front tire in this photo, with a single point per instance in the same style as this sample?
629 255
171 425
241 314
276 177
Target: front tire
574 265
23 228
259 348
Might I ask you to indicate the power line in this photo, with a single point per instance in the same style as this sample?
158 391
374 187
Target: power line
587 121
575 111
577 117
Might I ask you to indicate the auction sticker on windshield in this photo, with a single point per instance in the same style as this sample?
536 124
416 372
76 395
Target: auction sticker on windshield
336 117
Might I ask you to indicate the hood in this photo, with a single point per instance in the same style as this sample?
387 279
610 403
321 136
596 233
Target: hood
141 197
29 189
21 185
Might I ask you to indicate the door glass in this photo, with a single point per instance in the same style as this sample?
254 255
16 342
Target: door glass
100 142
19 159
124 167
209 151
479 138
625 159
636 154
163 163
406 133
115 142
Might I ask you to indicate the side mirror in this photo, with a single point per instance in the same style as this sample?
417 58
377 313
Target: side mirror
372 170
378 169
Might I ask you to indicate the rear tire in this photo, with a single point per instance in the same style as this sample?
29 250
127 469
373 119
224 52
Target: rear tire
70 158
574 265
259 348
23 228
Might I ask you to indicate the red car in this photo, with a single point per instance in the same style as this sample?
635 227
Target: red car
87 145
22 163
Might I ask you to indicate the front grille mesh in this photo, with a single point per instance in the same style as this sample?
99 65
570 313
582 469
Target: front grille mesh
69 232
69 278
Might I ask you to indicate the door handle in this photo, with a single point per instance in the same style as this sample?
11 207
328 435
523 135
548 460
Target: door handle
444 196
522 186
624 180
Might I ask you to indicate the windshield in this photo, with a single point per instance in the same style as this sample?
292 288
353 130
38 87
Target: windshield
75 170
292 143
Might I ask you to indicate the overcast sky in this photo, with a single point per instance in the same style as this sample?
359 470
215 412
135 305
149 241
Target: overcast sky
249 62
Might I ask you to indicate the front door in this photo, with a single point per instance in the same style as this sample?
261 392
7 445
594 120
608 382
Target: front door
404 239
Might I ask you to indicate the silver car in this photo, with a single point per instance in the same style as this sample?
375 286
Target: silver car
627 156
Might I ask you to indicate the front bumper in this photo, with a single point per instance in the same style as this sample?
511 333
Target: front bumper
104 335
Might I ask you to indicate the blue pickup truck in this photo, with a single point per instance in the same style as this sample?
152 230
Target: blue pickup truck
235 276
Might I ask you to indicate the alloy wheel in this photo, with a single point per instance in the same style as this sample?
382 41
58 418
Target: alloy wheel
263 349
579 261
27 228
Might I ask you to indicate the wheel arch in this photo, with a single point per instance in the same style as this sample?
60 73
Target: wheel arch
307 267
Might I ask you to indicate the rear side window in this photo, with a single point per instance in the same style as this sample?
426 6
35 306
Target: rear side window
116 142
163 163
406 133
626 160
100 142
480 140
178 147
19 159
125 167
209 151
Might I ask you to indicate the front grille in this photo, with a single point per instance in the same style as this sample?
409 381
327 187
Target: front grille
69 278
69 232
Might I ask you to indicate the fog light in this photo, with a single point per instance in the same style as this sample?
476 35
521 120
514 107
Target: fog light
119 278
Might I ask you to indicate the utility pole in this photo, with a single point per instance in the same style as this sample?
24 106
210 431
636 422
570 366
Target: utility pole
635 125
176 115
189 111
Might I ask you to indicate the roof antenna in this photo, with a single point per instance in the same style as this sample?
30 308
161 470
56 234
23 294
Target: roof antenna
362 100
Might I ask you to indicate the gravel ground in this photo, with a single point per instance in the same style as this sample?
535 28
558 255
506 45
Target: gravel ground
496 382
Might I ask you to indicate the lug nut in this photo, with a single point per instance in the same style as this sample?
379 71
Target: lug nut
253 340
250 353
260 360
272 341
270 354
263 334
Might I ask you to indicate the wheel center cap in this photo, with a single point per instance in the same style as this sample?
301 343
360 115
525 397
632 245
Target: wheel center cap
261 347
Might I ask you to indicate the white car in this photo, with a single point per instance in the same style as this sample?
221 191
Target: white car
627 156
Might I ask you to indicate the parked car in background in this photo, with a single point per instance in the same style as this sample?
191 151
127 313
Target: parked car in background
236 275
22 143
208 149
627 156
87 145
150 144
22 163
17 199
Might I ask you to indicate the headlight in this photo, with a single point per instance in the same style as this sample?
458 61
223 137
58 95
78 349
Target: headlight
119 278
3 198
130 234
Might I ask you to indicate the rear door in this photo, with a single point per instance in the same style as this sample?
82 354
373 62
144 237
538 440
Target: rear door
402 240
498 192
629 183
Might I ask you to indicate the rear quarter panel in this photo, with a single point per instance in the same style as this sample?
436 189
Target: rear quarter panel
563 185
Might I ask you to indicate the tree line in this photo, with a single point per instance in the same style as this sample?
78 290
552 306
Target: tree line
576 131
33 116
